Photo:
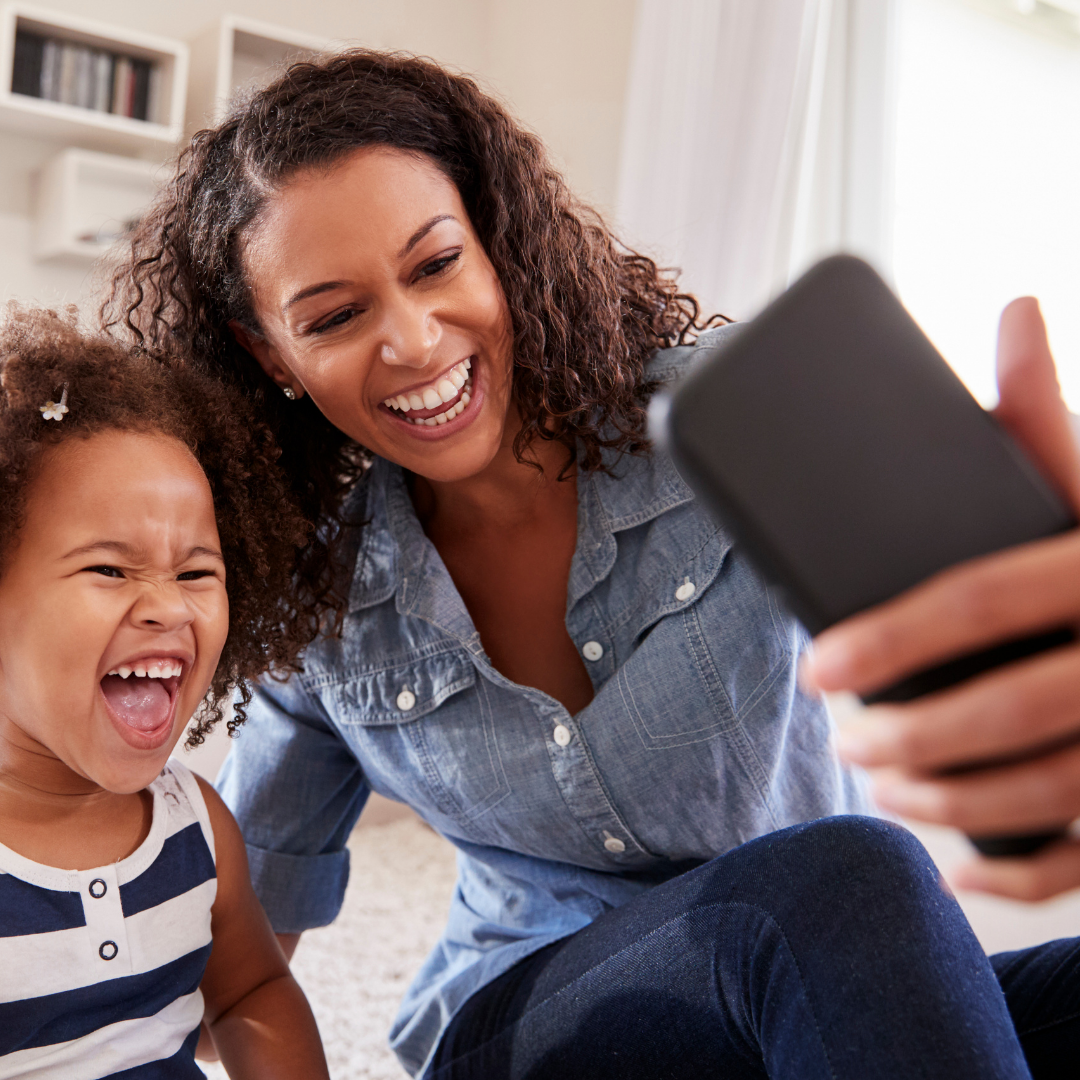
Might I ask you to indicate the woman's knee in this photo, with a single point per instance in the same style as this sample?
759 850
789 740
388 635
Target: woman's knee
832 864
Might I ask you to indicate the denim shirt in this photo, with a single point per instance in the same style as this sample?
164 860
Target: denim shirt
698 737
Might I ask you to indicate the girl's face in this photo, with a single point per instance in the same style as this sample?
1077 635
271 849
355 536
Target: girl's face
113 611
376 298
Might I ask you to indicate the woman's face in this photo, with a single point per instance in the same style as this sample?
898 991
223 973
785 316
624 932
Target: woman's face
375 297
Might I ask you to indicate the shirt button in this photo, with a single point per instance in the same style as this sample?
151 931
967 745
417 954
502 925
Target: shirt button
98 888
107 950
614 845
406 700
562 735
592 650
685 591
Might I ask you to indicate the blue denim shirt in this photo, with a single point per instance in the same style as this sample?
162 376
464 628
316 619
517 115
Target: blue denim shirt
698 737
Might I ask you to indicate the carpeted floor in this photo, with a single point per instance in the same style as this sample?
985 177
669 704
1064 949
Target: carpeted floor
355 971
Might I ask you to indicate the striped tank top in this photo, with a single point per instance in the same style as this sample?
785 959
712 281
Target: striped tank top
100 969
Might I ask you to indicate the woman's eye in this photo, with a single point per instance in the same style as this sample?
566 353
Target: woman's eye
339 318
105 571
194 575
436 266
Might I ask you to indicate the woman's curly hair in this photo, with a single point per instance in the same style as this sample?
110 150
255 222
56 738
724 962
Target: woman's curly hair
586 312
111 388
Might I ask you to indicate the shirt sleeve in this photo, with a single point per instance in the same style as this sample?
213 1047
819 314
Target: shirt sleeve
296 791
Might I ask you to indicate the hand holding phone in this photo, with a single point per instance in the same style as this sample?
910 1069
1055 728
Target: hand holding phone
852 464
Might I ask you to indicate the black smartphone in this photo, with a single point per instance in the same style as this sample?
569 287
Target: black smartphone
851 463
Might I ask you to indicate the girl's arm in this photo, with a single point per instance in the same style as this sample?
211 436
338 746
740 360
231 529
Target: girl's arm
260 1021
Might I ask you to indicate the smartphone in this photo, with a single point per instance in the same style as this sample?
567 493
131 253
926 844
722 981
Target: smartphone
851 463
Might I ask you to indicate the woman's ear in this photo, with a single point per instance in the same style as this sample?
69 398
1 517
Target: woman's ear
266 356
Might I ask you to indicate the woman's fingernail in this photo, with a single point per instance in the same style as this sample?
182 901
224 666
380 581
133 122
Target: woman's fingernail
826 664
854 744
906 797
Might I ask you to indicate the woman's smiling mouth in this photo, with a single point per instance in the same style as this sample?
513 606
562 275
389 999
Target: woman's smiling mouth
438 402
445 405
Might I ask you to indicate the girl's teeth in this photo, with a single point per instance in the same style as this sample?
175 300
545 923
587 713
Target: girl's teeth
431 398
457 378
446 390
466 398
168 669
417 402
403 403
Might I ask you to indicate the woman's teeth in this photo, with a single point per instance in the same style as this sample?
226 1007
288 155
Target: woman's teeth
158 669
455 386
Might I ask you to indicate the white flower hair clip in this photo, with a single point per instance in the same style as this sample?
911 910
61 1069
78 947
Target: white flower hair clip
55 410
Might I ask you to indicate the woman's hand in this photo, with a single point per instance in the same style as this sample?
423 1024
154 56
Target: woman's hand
1028 710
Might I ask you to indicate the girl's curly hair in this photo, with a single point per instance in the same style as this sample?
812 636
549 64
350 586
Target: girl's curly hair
111 388
586 312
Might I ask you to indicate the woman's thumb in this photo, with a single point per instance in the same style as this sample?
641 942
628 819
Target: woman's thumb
1030 405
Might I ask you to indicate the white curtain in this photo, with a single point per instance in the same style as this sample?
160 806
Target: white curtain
756 139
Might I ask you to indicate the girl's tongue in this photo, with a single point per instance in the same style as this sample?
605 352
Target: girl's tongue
141 703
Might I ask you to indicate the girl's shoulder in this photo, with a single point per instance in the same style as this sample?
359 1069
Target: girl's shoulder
180 799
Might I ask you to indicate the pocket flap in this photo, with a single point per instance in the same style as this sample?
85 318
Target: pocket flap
398 694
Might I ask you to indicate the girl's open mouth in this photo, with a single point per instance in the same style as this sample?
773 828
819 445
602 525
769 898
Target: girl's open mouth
141 698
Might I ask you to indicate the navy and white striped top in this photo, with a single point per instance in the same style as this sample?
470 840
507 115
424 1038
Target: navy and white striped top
100 969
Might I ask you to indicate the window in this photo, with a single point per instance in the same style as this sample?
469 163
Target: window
987 181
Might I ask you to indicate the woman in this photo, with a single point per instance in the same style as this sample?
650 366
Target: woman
542 644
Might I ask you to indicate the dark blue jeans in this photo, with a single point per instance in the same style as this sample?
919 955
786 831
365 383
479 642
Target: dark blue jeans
827 950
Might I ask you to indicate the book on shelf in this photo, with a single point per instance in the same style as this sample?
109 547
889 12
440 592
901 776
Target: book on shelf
72 74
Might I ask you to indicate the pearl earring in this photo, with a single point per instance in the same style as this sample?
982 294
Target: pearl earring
388 353
289 392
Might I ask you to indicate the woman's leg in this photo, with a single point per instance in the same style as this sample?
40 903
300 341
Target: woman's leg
1042 989
825 950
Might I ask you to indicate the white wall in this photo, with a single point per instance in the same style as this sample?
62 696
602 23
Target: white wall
561 66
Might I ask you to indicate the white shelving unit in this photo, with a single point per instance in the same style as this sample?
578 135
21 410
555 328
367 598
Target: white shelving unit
238 54
87 202
83 126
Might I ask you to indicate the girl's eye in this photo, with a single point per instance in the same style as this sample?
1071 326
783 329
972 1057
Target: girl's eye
339 318
105 571
437 266
194 575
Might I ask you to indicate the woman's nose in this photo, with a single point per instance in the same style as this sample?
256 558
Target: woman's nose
410 333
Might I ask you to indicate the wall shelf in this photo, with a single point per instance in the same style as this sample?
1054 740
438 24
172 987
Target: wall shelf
89 127
235 55
88 201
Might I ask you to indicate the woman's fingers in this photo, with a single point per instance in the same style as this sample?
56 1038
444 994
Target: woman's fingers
1036 877
965 608
1003 713
1028 796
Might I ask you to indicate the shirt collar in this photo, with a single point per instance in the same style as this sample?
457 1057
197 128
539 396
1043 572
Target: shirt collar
395 557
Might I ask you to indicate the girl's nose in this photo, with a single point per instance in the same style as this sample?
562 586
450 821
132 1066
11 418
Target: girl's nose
162 607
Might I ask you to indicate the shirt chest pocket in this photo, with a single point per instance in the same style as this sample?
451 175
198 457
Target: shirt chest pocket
424 733
709 653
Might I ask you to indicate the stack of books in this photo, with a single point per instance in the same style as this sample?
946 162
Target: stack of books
75 74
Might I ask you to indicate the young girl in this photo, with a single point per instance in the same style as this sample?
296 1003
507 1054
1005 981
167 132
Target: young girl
146 548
